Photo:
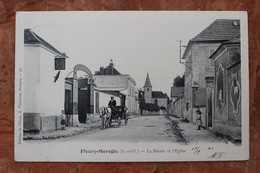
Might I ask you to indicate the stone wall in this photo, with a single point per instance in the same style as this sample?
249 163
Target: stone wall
50 123
32 122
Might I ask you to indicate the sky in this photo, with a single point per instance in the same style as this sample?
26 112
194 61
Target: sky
137 42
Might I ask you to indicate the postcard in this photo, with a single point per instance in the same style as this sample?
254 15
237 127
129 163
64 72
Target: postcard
131 86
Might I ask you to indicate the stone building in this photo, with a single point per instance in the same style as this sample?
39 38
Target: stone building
109 80
44 77
176 106
49 88
156 97
199 68
83 99
227 90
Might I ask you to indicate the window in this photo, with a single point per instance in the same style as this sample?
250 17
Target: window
211 61
147 89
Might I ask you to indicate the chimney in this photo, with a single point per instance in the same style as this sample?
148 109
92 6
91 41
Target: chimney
101 70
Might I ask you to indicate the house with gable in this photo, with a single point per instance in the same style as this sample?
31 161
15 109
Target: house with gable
44 79
199 69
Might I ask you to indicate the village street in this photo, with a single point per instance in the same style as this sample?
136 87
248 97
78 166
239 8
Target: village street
138 129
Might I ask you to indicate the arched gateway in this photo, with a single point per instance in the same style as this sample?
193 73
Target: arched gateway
79 96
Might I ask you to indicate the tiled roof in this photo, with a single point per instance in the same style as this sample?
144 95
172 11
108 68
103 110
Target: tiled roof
147 81
232 41
109 70
31 38
112 70
220 29
158 94
177 91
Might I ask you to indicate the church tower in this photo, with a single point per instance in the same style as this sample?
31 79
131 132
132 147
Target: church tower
148 90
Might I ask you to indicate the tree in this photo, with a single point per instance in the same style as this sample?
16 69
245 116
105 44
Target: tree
163 108
152 107
146 106
179 81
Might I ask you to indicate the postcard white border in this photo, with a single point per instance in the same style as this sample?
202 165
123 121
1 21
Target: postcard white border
71 152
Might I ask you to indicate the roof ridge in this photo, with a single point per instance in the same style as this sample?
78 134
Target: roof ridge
218 30
43 42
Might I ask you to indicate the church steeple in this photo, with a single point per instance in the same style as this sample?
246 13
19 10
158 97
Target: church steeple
147 81
148 90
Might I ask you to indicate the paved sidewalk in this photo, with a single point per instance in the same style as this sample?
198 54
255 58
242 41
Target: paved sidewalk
69 131
92 124
192 135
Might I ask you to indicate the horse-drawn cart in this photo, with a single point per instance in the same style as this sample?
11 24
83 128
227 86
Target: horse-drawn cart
118 114
113 115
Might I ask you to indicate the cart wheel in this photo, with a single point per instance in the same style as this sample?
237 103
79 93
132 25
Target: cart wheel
126 119
118 121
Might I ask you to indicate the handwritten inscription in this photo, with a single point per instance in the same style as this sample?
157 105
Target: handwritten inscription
197 150
217 155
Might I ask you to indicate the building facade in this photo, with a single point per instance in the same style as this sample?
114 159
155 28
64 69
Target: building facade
110 80
49 88
44 78
155 97
199 68
176 106
227 90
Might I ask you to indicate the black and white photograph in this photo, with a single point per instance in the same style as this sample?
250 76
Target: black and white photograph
128 86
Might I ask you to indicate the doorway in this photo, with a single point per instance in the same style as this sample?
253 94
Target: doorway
210 109
68 98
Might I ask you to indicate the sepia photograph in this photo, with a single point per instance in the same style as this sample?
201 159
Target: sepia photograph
131 86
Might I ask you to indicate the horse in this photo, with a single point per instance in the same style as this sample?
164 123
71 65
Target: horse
105 115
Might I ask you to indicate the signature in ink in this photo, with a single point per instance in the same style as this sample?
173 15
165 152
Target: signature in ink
217 155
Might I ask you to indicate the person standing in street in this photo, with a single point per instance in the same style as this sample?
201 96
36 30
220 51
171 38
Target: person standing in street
198 121
63 120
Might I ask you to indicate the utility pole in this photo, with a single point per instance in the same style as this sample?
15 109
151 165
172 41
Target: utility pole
180 50
184 63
